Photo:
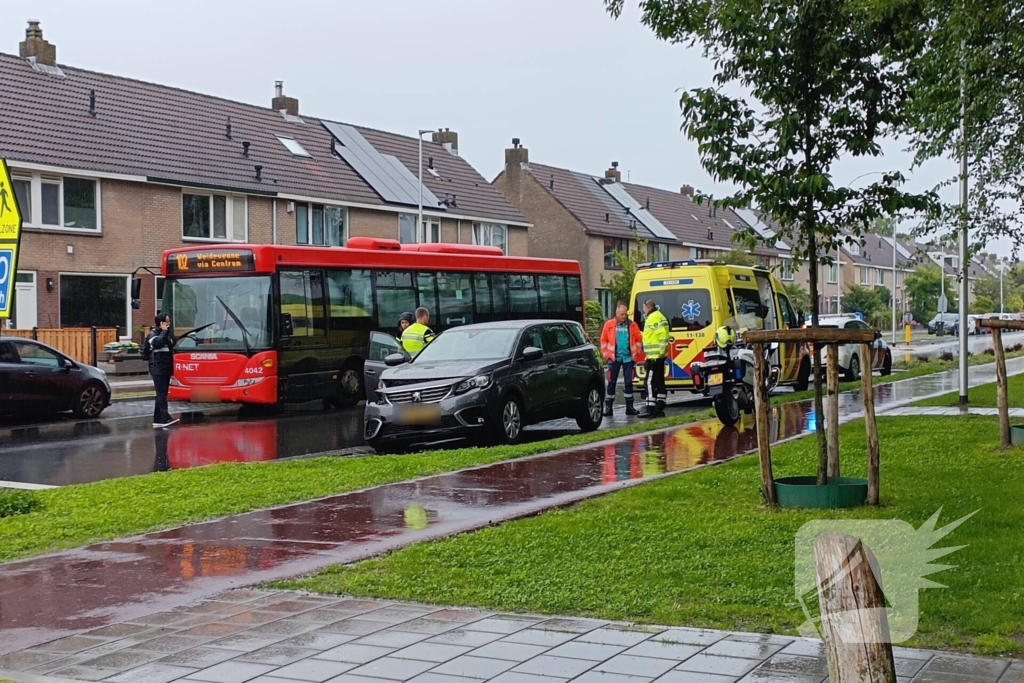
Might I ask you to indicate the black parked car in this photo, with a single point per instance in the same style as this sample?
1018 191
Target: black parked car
490 379
35 378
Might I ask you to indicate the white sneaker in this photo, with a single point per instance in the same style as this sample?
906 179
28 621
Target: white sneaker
174 421
157 425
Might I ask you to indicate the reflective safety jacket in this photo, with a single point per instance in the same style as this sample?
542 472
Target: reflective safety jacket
415 337
608 334
656 335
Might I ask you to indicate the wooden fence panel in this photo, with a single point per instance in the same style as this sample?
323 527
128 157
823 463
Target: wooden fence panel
74 342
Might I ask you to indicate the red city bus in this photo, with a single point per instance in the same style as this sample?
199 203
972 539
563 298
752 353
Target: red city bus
264 324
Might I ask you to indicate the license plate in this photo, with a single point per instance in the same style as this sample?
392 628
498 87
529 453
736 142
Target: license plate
419 415
716 378
206 394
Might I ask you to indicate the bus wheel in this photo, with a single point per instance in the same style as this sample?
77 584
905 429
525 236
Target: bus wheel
350 387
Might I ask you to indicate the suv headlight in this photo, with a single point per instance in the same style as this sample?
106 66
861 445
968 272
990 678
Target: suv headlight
478 382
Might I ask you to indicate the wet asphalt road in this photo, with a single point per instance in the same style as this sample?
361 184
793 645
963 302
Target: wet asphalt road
62 450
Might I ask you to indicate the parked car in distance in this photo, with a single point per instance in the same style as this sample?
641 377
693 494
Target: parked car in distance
39 379
850 362
488 379
949 321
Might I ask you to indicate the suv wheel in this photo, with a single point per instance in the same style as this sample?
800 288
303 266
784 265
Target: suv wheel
509 427
589 418
853 373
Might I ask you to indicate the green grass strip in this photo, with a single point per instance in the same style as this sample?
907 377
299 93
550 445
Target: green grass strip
981 396
84 513
699 549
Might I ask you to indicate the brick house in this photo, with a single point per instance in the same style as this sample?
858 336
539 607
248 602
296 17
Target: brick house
587 218
111 171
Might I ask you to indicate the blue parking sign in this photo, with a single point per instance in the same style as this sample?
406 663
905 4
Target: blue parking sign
7 278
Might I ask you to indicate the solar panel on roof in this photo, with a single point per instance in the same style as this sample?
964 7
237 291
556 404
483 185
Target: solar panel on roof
635 209
385 174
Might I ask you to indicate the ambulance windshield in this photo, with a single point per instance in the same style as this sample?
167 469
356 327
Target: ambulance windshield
686 309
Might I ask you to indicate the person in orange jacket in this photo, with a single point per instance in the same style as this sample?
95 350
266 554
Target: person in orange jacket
623 347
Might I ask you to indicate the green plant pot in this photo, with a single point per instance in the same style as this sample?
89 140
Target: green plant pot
1017 435
804 492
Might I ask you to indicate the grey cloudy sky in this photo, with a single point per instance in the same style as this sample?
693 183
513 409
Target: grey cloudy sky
577 87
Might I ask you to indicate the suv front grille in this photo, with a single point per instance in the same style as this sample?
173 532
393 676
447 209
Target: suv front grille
428 395
391 383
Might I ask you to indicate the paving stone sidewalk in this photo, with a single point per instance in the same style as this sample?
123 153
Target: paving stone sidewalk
284 637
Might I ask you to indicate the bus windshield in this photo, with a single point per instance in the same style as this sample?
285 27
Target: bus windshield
225 302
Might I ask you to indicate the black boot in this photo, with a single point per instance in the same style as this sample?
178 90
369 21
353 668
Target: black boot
659 408
630 410
607 409
649 412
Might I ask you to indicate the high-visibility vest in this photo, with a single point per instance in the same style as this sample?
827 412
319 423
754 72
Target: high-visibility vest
656 335
415 337
608 339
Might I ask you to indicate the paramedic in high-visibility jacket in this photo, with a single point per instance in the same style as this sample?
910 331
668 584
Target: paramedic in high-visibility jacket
622 348
655 337
417 335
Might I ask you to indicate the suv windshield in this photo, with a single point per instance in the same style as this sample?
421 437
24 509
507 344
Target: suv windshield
469 345
193 302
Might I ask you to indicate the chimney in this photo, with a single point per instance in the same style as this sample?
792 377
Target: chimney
35 46
686 190
613 173
517 155
289 105
447 138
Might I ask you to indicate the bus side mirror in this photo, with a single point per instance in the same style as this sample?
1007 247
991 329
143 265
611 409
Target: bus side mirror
286 325
137 293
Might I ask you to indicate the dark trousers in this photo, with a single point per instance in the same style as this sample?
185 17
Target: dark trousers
628 369
161 382
655 381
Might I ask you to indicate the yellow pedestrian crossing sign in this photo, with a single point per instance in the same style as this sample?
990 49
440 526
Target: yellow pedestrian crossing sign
10 238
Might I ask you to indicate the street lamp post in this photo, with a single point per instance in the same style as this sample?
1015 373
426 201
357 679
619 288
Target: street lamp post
419 213
1002 266
895 286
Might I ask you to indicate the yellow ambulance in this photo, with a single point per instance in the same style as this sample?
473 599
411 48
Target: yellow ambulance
699 297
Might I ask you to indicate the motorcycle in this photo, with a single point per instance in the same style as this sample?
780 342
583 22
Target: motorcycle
727 376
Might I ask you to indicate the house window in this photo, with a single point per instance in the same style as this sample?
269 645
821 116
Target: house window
612 245
607 302
853 248
321 225
94 300
430 230
293 146
62 202
491 235
786 269
699 253
213 217
864 275
832 271
158 282
879 276
657 252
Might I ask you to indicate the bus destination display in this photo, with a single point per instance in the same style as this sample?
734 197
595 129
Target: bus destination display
212 261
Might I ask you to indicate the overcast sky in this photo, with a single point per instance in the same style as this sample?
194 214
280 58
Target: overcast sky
577 87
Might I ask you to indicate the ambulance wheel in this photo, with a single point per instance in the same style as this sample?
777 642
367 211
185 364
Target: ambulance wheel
803 378
727 409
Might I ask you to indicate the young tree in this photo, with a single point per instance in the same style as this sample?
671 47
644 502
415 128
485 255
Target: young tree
621 284
862 300
923 287
821 80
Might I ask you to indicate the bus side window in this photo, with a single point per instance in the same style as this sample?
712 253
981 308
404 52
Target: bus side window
395 295
351 299
482 298
302 298
552 295
455 299
426 290
523 295
499 295
574 297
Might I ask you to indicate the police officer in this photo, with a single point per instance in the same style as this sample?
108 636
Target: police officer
656 330
160 343
417 335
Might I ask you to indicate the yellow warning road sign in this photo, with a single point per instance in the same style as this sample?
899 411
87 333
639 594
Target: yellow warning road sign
10 238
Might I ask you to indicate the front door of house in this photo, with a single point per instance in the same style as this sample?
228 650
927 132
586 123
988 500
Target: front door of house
25 305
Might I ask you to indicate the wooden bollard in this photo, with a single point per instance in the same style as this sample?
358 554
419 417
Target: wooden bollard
1002 402
868 394
832 411
764 451
854 623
